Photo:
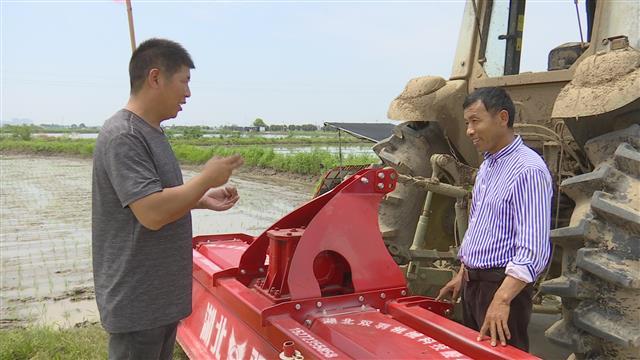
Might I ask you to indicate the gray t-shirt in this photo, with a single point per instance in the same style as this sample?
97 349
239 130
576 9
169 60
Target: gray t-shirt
142 277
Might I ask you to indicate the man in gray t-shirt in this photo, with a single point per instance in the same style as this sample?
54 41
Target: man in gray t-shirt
141 221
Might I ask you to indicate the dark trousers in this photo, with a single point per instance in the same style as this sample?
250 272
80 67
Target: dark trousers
478 289
151 344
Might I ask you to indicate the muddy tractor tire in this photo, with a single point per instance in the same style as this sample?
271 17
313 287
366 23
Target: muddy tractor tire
600 281
408 151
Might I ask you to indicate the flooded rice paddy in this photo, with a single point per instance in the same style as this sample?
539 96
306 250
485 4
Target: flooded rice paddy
45 234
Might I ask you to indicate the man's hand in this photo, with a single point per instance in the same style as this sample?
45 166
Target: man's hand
495 322
217 171
219 199
163 207
453 287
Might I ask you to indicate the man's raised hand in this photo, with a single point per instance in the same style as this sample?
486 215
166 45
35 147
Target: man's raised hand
218 169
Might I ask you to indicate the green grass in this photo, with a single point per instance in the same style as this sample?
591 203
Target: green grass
82 147
46 343
311 163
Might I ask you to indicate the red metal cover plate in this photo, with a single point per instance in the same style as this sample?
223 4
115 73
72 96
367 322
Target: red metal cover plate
371 334
224 253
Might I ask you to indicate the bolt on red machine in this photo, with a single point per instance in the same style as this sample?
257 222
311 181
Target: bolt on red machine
319 283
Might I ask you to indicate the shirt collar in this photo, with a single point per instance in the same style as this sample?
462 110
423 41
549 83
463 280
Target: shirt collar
517 141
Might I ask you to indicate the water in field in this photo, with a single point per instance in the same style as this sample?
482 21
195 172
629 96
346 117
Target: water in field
333 149
45 234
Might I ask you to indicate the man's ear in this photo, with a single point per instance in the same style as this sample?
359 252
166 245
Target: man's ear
504 117
153 78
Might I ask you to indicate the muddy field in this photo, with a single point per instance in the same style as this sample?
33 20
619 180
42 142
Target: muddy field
45 233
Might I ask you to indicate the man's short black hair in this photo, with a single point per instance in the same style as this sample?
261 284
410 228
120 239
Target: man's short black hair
494 99
166 55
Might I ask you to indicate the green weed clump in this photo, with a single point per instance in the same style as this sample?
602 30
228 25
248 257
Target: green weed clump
21 132
307 163
45 342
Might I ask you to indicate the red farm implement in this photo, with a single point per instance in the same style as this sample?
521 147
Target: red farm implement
319 283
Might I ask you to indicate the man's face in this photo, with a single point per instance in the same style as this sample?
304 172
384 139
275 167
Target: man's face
174 92
485 129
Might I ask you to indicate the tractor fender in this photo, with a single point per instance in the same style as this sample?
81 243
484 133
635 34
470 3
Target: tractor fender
432 98
604 94
602 83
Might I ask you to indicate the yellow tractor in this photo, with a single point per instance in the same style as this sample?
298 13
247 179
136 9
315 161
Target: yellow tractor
582 115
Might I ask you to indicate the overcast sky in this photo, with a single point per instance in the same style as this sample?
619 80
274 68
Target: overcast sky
286 62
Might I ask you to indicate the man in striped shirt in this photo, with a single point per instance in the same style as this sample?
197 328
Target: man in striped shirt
506 246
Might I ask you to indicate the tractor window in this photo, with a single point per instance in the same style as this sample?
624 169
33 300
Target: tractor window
521 37
549 26
496 48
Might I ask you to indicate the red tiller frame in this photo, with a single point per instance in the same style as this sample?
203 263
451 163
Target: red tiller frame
320 278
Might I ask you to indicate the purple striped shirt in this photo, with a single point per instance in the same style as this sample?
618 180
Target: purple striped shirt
510 215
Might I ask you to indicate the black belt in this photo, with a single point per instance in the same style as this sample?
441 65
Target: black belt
491 274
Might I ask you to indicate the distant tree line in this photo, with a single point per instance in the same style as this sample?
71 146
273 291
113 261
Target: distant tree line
24 132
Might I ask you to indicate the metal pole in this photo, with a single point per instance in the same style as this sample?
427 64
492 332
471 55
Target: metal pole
340 145
433 185
579 24
420 236
132 34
